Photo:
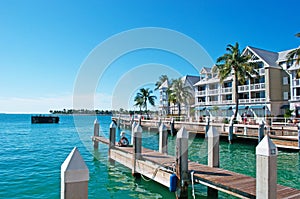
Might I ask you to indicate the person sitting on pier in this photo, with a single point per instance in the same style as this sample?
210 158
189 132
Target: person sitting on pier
123 140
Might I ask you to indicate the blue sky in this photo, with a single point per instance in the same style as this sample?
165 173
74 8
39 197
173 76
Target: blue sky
44 44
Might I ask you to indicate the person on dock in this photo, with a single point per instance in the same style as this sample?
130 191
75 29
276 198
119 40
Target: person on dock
123 140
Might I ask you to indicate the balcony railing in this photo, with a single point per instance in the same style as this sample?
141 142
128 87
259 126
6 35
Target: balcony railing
296 82
213 92
226 90
252 87
296 98
200 93
252 100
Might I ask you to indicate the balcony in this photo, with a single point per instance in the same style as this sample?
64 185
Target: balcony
252 87
296 98
213 91
259 86
244 88
296 82
245 101
200 93
226 90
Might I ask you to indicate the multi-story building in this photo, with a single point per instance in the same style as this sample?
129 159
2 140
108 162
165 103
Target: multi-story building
267 94
166 107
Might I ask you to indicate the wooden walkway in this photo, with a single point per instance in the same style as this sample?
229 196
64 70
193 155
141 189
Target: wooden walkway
159 167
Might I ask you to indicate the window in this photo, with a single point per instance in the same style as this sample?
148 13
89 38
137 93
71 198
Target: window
285 95
285 80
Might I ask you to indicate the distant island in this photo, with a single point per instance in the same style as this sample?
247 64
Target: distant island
82 111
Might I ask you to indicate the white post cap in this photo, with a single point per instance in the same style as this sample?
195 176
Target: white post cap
182 133
96 121
138 128
266 147
74 168
162 127
112 125
212 132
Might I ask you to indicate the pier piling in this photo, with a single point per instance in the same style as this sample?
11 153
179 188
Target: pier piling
230 131
261 131
112 139
298 135
213 156
266 169
137 148
163 139
134 124
74 177
96 133
182 164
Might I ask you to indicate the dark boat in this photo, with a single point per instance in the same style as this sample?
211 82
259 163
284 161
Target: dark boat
42 119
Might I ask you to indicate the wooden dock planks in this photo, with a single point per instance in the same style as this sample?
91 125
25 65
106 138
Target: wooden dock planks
159 167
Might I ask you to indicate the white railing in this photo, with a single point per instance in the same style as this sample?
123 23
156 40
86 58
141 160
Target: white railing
252 87
214 91
200 103
252 100
226 101
258 86
244 88
296 82
296 98
226 90
200 93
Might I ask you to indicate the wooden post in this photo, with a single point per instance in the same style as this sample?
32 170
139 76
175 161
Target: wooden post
230 131
266 169
299 135
74 177
163 139
112 139
96 133
207 120
182 164
261 131
132 131
137 148
172 126
213 156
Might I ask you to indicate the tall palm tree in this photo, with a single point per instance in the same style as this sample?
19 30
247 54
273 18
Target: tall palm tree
181 93
294 54
234 62
139 102
160 81
143 97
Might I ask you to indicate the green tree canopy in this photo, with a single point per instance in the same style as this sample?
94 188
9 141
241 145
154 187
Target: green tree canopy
233 62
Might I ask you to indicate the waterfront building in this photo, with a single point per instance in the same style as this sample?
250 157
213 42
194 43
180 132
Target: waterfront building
166 107
266 95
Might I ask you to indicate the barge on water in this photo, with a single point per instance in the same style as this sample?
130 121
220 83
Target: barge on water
43 119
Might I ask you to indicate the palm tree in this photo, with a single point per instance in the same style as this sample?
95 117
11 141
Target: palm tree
181 93
234 62
139 102
294 54
160 81
143 97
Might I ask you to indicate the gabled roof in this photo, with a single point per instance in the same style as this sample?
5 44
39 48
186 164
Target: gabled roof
283 54
189 79
164 85
268 57
205 70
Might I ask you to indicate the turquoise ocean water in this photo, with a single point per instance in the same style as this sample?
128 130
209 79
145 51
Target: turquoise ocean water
31 156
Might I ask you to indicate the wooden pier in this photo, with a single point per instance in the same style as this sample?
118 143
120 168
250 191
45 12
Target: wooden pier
285 137
159 167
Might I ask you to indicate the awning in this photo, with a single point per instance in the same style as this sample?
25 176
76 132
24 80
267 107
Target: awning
257 107
285 106
200 108
241 107
225 107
